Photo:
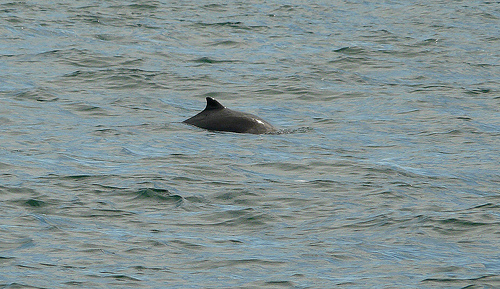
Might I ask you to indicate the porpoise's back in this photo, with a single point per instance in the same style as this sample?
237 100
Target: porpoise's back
217 117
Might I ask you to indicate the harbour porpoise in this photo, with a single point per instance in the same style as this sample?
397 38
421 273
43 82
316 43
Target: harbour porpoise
217 117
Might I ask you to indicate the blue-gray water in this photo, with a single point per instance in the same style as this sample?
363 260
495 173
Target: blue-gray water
387 176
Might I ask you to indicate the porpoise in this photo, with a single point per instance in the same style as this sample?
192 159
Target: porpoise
217 117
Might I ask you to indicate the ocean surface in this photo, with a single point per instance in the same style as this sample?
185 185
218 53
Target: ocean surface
385 173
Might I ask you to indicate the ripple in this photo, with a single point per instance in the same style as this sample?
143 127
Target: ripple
386 169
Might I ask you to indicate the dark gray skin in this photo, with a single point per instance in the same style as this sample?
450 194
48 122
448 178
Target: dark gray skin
217 117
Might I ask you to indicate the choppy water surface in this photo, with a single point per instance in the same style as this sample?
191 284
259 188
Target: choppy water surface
388 175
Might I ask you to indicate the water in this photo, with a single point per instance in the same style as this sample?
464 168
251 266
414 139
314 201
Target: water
387 175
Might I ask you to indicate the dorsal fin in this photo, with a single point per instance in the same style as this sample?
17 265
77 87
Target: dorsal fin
213 104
